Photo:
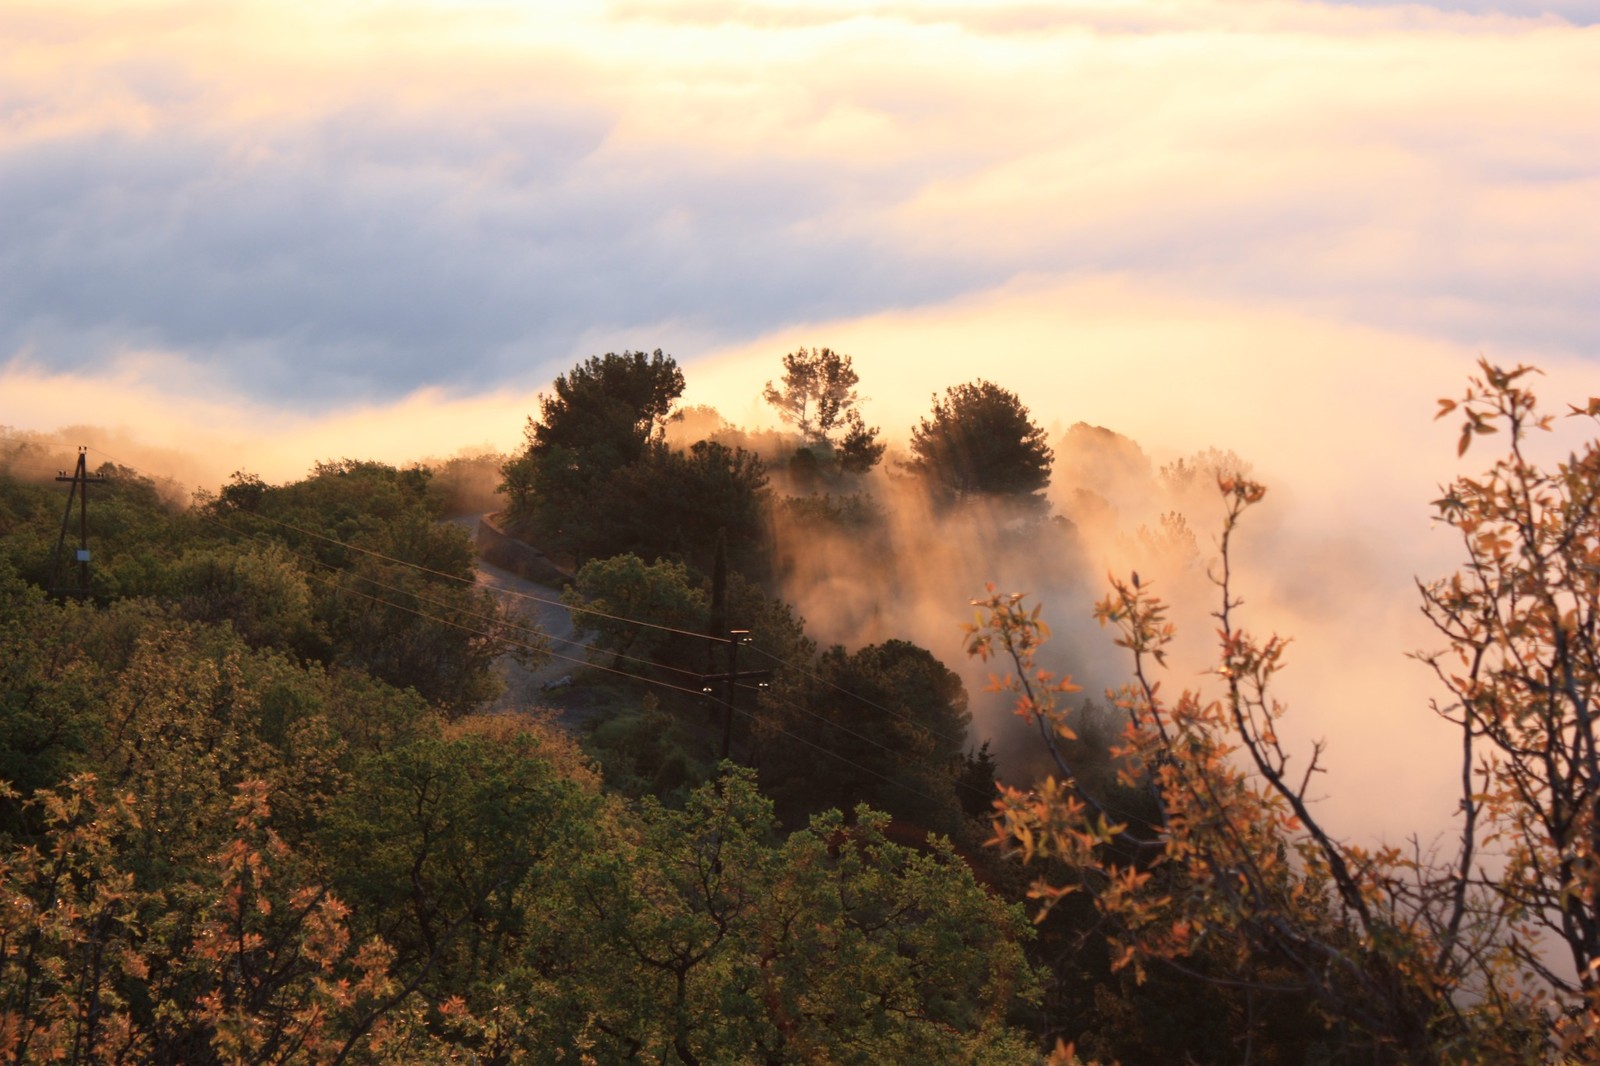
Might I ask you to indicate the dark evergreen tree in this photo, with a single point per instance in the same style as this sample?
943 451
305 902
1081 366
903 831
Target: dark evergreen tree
980 442
603 416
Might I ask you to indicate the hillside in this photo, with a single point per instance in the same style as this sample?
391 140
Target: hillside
269 798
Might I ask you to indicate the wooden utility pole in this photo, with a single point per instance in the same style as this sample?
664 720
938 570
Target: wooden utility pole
729 680
80 492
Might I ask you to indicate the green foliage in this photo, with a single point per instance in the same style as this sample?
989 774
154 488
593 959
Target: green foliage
233 836
602 416
975 782
819 399
596 478
611 401
612 596
300 862
260 591
855 512
647 752
349 567
980 442
239 958
819 389
49 687
711 941
436 842
896 713
860 449
391 587
131 532
179 712
672 504
30 518
628 588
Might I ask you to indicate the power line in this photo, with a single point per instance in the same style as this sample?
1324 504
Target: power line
491 619
489 636
908 719
329 581
662 684
748 714
837 725
513 625
676 688
440 573
842 758
469 581
829 722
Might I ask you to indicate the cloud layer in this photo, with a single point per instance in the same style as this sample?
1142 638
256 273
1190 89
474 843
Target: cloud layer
323 203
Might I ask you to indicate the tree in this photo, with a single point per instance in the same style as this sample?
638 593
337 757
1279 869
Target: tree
436 844
860 449
980 442
258 590
819 386
601 417
702 937
612 596
898 713
1522 619
671 504
246 959
615 402
819 398
1406 957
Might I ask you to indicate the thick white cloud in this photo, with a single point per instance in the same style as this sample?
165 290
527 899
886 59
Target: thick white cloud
329 202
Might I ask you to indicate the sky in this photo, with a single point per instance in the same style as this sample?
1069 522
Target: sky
250 235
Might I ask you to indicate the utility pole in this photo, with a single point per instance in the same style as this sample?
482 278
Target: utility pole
80 492
730 679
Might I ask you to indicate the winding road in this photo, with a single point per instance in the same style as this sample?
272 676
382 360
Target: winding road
526 689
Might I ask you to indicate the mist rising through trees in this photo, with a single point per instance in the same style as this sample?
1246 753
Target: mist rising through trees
401 877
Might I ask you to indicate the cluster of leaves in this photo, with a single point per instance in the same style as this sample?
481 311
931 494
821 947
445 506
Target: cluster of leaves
1229 877
1522 618
238 959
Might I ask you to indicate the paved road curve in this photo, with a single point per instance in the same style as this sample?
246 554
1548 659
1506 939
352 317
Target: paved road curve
525 688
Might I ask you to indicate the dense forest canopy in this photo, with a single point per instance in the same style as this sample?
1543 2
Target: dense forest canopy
257 807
